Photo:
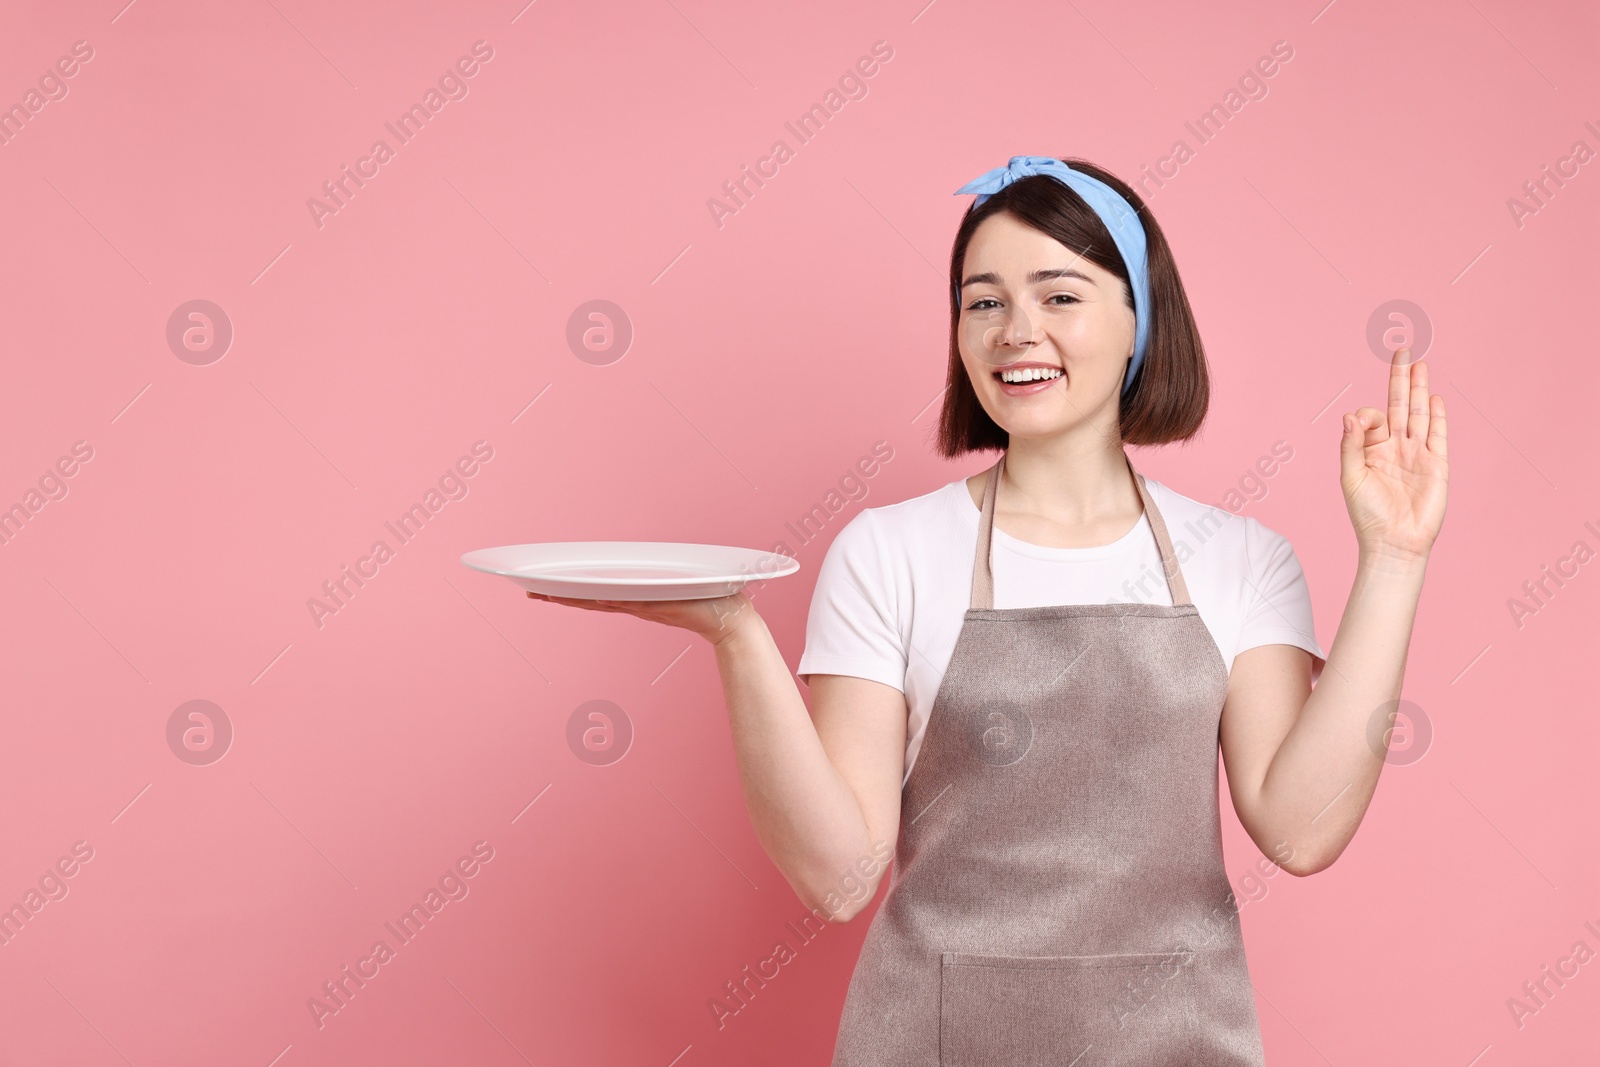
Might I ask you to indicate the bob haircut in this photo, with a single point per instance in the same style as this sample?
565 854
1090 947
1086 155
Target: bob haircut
1169 395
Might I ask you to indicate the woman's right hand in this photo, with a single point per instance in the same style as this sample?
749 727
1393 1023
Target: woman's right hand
716 619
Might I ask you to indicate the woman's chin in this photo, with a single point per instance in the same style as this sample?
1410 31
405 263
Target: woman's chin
1041 427
1054 421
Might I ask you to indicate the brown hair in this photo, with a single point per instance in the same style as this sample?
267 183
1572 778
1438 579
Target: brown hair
1170 392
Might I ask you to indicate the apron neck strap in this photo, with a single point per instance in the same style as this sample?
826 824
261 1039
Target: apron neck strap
983 565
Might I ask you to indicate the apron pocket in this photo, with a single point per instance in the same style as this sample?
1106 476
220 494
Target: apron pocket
1056 1011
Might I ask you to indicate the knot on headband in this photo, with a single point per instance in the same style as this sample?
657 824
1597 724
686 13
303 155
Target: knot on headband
1127 232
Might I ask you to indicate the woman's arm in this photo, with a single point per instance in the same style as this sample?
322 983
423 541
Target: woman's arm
1301 769
823 796
823 790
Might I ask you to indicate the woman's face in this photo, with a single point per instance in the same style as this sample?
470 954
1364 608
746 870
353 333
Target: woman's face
1027 300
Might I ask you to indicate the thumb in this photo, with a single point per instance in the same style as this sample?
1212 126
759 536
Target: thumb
1352 455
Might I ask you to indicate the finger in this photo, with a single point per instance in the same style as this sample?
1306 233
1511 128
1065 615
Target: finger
579 602
1374 425
1399 391
1351 446
1417 403
1436 436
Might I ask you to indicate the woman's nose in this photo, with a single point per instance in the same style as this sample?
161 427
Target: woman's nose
1018 328
998 333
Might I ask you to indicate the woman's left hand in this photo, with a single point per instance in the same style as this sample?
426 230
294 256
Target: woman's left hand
1393 468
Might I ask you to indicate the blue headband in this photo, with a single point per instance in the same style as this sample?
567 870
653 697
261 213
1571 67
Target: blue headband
1114 211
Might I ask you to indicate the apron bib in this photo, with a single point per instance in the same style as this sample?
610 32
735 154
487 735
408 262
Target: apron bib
1058 894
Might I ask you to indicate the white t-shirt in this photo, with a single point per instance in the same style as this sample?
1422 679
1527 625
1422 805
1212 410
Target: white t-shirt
897 581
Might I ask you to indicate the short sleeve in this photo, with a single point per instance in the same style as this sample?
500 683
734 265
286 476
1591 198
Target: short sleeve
1278 601
852 626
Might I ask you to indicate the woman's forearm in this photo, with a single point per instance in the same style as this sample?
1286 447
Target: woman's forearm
803 811
1324 774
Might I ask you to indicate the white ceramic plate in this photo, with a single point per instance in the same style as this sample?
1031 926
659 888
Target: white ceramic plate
631 570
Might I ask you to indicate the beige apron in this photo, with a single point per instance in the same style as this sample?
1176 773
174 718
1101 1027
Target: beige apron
1058 893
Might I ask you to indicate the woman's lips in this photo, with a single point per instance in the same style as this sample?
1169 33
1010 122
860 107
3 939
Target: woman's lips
1027 388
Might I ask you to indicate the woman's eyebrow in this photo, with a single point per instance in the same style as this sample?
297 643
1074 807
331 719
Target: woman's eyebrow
991 278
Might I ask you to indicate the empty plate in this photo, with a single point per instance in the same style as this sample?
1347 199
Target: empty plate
631 570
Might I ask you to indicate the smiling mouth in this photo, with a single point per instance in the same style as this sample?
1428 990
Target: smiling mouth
1024 375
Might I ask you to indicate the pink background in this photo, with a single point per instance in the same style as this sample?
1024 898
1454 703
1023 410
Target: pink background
769 355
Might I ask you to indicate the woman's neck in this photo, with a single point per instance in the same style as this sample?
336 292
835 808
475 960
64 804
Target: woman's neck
1064 493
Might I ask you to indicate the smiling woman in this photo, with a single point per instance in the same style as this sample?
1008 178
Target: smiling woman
1046 722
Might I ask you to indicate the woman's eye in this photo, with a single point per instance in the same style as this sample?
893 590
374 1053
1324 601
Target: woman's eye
977 305
1067 296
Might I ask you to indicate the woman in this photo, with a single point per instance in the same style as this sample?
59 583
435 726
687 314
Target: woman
1036 738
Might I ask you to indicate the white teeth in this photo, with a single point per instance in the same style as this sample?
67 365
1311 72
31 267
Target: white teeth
1030 374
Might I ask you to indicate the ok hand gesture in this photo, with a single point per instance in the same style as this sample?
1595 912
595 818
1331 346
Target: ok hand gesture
1393 467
